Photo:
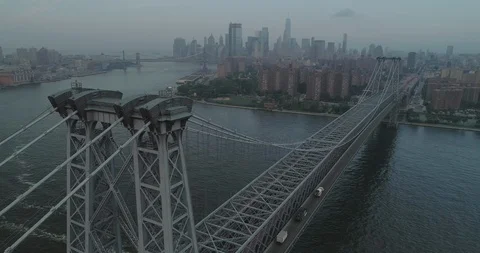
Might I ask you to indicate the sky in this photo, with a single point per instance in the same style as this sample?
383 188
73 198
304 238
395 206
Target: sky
145 25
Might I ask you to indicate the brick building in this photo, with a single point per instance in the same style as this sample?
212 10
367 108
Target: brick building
447 98
471 94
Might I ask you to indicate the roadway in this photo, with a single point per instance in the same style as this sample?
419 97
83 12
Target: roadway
313 203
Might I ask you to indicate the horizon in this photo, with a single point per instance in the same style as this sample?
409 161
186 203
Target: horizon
152 26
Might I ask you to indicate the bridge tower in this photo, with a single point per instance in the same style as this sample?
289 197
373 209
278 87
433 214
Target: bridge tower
204 62
163 202
397 96
159 213
96 214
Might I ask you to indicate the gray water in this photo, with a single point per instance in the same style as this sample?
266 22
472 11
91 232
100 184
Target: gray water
412 189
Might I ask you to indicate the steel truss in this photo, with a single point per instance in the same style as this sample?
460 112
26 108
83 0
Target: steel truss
250 220
164 208
97 215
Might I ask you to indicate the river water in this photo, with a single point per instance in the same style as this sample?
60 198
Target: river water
413 189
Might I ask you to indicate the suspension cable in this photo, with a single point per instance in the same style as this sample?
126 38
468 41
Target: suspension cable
74 191
224 128
343 142
36 139
236 134
54 171
33 122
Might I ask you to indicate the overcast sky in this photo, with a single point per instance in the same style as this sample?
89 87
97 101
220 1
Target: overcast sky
93 25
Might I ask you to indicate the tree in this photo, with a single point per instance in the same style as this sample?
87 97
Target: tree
184 90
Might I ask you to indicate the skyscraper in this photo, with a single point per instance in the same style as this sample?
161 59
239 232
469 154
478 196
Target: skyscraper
227 42
22 54
251 40
264 41
318 49
193 47
287 34
179 48
344 45
220 40
411 61
330 49
449 51
211 40
32 54
42 56
306 44
321 45
235 39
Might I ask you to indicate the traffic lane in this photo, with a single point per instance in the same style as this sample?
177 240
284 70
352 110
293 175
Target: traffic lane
295 228
312 204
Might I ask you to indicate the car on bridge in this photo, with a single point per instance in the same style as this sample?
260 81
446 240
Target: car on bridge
282 236
300 214
319 191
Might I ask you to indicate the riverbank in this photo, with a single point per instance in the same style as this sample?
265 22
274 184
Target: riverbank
274 110
441 126
336 116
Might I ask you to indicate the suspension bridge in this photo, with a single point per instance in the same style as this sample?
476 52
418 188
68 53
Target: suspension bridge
133 193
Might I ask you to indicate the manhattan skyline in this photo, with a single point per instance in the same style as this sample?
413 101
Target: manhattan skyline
92 25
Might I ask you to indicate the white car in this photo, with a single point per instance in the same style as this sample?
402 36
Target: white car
319 191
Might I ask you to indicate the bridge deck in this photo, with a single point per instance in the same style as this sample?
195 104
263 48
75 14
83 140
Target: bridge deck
251 219
313 203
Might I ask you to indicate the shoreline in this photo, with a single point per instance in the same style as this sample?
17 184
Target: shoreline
274 110
336 116
441 126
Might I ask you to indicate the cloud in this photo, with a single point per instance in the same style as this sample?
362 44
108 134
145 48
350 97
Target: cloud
345 13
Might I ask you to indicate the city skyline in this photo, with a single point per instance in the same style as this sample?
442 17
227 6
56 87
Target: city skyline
57 24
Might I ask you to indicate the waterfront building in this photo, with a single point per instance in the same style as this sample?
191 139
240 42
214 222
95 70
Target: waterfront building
447 98
32 55
22 54
42 56
471 94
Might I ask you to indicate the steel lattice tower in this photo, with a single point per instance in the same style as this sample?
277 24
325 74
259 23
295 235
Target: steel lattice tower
164 208
397 97
159 217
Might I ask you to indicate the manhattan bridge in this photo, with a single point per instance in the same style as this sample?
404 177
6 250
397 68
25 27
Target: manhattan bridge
133 195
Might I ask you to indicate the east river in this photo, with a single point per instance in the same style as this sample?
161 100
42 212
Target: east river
413 189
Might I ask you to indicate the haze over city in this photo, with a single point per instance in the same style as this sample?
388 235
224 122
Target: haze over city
239 126
92 26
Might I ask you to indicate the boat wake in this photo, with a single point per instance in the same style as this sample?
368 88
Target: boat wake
22 179
39 233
